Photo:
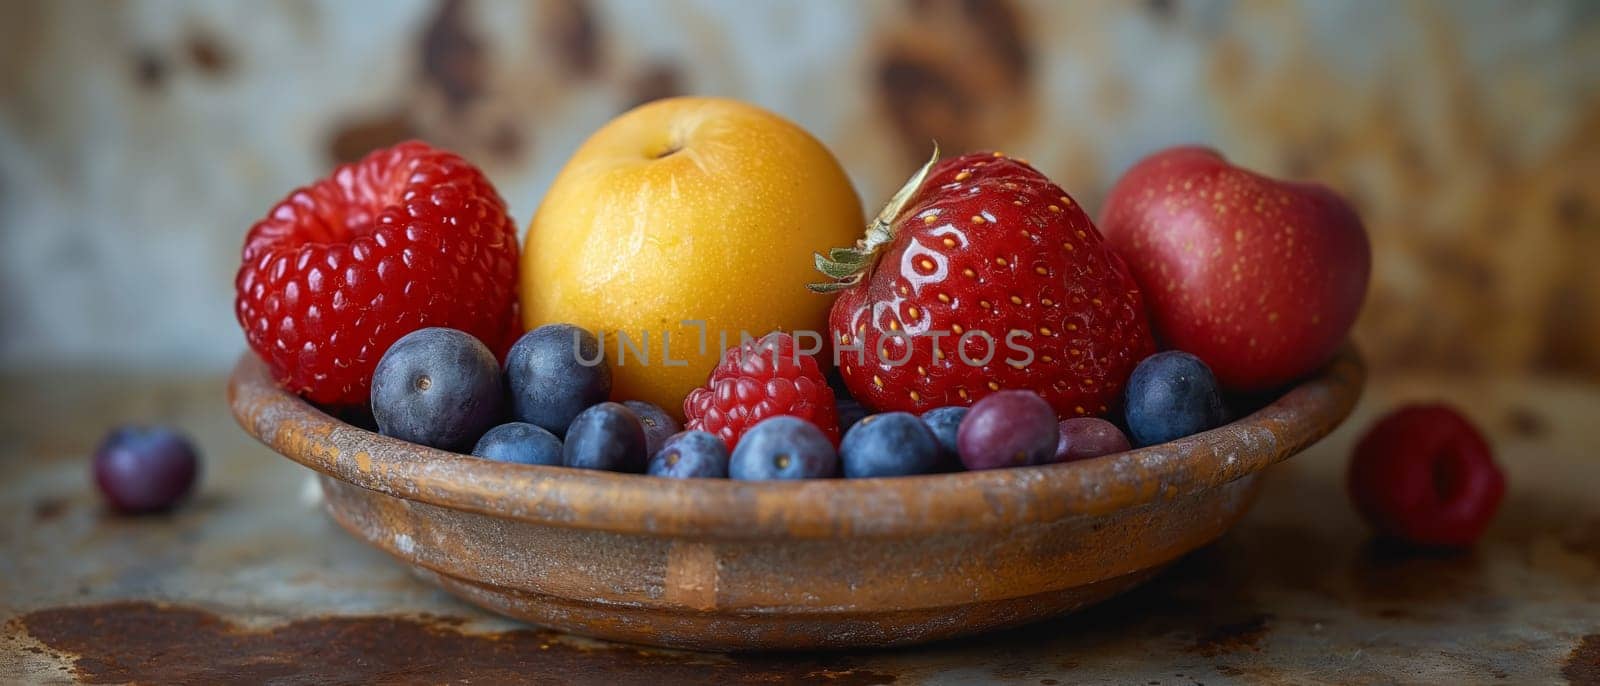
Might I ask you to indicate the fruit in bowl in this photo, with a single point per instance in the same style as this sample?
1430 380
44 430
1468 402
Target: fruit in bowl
438 387
681 210
758 380
519 442
663 221
1008 429
341 269
690 454
981 275
553 373
1171 394
891 444
607 436
1258 277
1086 437
784 448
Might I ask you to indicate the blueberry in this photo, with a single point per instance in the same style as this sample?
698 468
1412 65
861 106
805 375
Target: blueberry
606 436
1008 429
1086 437
891 444
691 455
835 380
555 372
521 443
658 425
849 410
438 387
944 421
1171 395
846 407
783 448
145 469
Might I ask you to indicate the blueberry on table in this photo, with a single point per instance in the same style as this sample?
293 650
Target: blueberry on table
519 443
555 372
658 425
944 421
890 444
1086 437
607 436
783 448
691 455
145 469
1008 429
437 387
1170 395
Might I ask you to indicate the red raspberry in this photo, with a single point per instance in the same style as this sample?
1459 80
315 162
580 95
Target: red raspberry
409 237
1425 476
757 380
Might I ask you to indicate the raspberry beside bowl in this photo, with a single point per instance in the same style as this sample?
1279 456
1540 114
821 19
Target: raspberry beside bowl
727 565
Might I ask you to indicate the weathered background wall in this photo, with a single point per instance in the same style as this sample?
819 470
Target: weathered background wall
139 140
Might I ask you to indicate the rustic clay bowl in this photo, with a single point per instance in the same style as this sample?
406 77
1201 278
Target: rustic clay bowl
728 565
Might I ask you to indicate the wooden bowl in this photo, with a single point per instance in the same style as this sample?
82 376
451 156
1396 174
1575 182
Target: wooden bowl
730 565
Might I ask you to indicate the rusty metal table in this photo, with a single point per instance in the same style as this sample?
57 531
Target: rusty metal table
250 582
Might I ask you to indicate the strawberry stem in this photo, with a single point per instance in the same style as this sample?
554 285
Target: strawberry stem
848 266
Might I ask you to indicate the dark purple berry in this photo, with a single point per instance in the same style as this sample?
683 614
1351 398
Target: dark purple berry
891 444
607 436
944 421
1007 429
1086 437
145 469
519 443
437 387
783 448
1170 395
554 372
850 411
691 455
658 425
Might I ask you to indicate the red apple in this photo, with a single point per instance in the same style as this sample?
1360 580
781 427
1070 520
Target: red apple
1260 278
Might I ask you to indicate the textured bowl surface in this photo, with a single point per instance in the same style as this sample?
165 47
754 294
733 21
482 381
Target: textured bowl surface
726 565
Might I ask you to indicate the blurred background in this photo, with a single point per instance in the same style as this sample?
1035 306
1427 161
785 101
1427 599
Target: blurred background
139 140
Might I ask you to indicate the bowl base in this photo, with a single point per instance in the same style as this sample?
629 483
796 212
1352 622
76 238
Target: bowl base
682 618
726 632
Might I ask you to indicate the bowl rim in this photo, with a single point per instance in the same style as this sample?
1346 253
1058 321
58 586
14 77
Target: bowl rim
636 504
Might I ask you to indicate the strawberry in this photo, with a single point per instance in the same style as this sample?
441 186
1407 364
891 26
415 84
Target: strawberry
982 275
408 237
757 380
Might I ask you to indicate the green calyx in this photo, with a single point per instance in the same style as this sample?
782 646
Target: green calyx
848 266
